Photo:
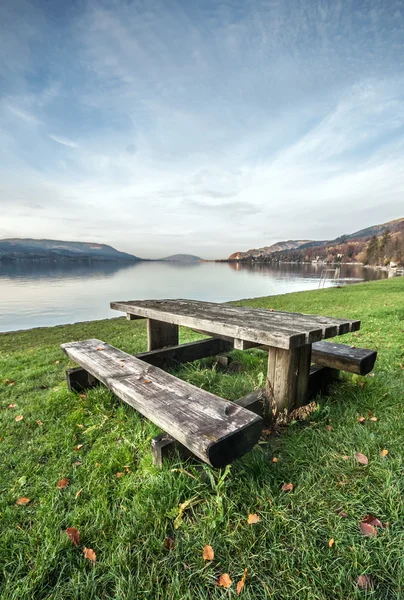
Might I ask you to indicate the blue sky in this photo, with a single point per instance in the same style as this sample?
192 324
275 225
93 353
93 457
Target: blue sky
196 126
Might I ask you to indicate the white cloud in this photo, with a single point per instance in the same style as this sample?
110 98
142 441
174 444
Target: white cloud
63 141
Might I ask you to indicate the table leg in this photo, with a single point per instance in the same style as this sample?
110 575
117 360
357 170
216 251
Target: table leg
161 334
287 380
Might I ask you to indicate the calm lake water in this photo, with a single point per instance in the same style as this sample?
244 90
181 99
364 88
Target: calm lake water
36 295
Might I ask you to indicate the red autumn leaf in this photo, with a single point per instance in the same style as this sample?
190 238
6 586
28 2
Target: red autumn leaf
287 487
252 519
89 554
23 501
208 553
364 582
372 520
73 535
224 580
169 543
361 458
241 583
63 483
368 530
19 418
11 406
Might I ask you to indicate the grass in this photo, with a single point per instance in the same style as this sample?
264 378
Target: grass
127 519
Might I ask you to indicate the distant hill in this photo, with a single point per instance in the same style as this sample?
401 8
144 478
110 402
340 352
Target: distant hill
378 245
267 250
56 250
184 258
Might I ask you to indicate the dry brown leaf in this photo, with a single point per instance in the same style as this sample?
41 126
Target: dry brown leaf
73 535
78 494
56 362
361 458
372 418
77 448
169 543
83 395
368 530
384 452
10 382
342 514
241 583
63 483
331 542
90 554
253 519
266 431
361 420
146 381
19 418
287 487
39 422
11 406
119 474
275 460
364 582
224 580
372 520
100 348
23 501
208 553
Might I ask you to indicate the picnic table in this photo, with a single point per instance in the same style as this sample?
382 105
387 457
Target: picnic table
288 336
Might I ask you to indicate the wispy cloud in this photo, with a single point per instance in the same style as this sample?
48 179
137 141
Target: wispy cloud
204 128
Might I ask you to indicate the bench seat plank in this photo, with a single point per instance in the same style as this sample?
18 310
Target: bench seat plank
216 430
345 358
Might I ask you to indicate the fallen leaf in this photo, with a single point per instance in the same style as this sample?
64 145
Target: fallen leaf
77 448
287 487
89 553
56 362
78 494
266 432
19 418
146 381
252 519
39 422
361 458
364 582
119 474
361 420
373 419
328 428
368 530
241 583
77 463
275 459
331 542
63 483
384 452
73 535
23 501
224 580
127 469
345 457
83 395
11 406
372 520
371 375
100 348
169 543
342 514
208 553
11 382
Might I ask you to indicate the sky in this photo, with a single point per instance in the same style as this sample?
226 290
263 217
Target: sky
199 126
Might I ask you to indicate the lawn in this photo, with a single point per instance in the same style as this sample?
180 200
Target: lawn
128 512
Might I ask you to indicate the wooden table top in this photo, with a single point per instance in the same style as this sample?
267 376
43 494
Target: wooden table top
267 327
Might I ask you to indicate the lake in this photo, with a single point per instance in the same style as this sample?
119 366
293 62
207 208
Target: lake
43 294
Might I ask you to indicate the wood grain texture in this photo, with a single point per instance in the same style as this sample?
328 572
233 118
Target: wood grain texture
170 357
345 358
161 334
259 326
216 430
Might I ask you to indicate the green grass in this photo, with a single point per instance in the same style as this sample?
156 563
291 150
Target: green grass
126 520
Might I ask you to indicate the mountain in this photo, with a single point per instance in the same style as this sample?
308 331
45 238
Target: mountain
267 250
378 244
183 258
56 250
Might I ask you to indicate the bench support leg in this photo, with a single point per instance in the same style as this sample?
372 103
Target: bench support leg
160 335
79 379
287 380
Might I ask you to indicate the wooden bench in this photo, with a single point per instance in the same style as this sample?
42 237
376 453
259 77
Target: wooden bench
342 357
214 429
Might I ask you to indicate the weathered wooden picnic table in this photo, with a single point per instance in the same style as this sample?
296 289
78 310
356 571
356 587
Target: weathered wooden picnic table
288 337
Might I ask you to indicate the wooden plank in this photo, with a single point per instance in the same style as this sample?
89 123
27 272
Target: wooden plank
216 430
303 374
170 357
244 326
345 358
130 317
283 367
161 334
